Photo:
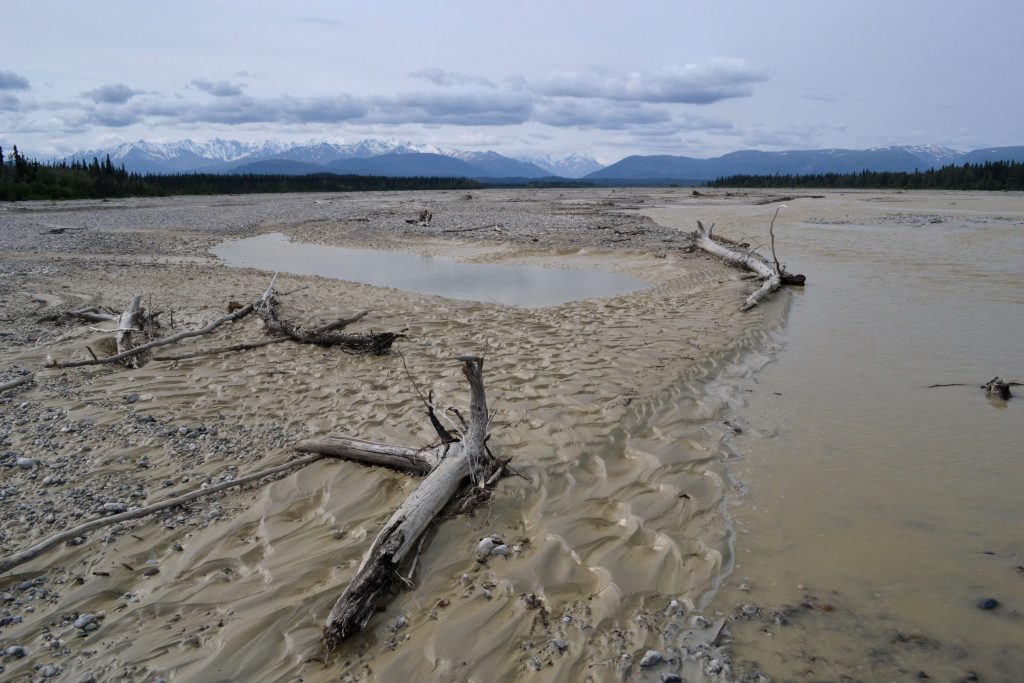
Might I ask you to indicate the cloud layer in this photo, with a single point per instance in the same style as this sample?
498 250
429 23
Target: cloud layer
12 81
592 99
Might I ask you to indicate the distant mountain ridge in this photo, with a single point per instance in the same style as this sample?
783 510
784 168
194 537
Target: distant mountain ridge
797 162
394 158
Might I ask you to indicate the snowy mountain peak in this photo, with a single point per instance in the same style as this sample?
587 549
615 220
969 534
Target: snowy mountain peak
570 166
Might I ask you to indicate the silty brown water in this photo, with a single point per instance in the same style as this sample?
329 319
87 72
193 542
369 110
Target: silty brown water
878 513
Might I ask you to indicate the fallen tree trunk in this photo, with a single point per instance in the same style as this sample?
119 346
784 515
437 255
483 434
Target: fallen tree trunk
770 274
400 534
34 551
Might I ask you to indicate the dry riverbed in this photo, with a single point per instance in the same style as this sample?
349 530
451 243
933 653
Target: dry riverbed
617 536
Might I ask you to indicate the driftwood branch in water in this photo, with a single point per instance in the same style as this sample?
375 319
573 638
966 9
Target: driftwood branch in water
452 465
999 388
24 379
376 343
770 275
34 551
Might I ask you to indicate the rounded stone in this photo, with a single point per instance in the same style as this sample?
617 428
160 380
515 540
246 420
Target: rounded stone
651 658
988 604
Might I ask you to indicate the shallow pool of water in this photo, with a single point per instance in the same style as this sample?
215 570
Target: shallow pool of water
513 285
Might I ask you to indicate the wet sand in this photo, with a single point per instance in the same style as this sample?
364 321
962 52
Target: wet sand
601 403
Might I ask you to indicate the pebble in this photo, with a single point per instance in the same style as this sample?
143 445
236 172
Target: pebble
84 620
651 658
466 580
988 603
671 678
26 463
559 644
500 550
484 547
15 651
714 667
401 622
749 610
48 671
114 507
675 607
131 398
150 571
699 622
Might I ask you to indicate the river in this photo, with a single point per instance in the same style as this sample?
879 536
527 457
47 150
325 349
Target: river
874 513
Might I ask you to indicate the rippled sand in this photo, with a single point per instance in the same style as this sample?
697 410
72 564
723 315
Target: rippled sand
602 404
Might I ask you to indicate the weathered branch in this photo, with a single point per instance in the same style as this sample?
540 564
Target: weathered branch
376 343
395 457
91 314
244 346
402 531
24 379
34 551
156 343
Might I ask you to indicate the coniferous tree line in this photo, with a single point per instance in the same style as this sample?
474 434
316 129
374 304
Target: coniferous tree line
991 175
23 179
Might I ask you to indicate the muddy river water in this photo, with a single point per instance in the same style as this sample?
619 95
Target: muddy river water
876 513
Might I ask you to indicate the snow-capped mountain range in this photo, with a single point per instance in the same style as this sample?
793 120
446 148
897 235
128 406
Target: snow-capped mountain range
395 158
220 156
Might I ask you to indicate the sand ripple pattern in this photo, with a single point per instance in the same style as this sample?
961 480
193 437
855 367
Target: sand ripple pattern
601 403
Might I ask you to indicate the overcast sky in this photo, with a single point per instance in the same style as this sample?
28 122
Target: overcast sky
605 78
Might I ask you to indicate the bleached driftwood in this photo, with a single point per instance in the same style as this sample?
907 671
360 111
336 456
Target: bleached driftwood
156 343
24 379
91 314
450 465
769 273
34 551
129 323
396 457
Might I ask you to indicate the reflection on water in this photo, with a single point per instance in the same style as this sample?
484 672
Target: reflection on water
880 512
513 285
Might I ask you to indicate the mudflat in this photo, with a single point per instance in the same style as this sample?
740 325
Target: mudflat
601 404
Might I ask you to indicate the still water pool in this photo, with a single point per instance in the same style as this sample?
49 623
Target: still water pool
527 286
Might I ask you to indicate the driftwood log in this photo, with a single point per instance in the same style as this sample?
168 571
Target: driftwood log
156 343
767 272
24 379
34 551
447 467
376 343
134 319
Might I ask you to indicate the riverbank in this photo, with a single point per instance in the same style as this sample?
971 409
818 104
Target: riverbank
600 402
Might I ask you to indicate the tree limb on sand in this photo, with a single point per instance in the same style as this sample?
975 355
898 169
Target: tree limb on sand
34 551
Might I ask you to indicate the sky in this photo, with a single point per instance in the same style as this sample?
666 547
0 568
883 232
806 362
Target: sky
608 79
